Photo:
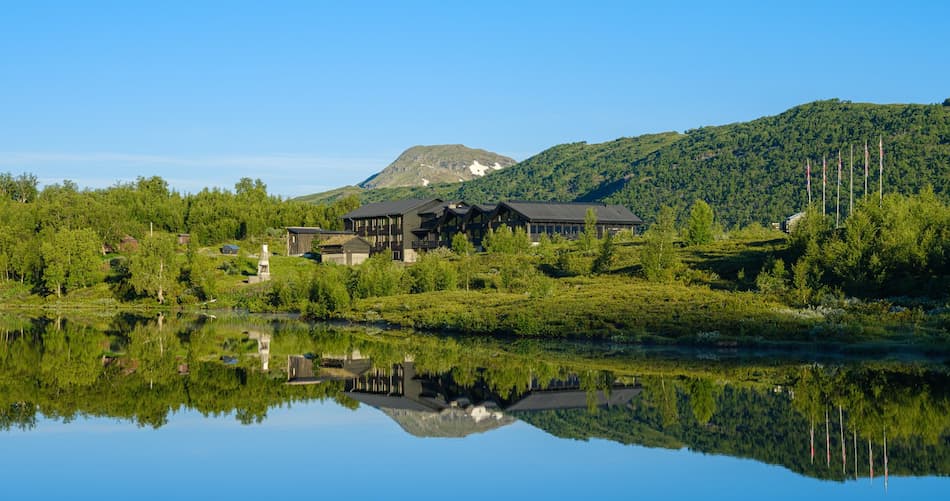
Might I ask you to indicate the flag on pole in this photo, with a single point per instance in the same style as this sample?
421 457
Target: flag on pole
838 193
851 181
824 183
808 179
880 178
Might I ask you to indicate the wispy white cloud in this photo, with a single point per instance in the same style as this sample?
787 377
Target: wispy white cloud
269 161
287 174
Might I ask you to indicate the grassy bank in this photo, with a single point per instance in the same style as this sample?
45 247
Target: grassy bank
549 291
638 311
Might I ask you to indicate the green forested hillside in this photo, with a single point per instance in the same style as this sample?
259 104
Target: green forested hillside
750 171
755 171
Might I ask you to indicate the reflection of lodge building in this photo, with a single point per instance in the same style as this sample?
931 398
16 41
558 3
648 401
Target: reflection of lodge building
567 394
305 369
400 387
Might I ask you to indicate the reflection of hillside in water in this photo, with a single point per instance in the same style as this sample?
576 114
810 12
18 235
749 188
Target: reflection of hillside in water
428 405
825 421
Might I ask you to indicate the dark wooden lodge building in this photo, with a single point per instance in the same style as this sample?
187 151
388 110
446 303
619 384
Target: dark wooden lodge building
395 226
564 219
404 228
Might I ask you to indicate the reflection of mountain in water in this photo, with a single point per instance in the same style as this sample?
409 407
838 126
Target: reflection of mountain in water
823 421
453 422
435 406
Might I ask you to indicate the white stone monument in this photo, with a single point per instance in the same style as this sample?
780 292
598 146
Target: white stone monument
263 265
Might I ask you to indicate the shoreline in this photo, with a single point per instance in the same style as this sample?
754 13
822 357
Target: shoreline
805 340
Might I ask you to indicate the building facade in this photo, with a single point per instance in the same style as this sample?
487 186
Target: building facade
395 227
300 239
405 228
566 220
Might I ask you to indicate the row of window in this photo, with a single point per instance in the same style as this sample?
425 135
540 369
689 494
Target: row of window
378 222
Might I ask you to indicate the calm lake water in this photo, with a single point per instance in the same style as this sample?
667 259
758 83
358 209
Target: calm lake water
257 407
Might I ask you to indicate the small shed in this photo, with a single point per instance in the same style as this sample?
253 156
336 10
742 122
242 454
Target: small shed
230 249
792 221
128 244
300 370
344 249
300 239
184 239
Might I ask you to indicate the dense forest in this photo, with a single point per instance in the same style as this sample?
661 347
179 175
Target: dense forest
751 171
53 239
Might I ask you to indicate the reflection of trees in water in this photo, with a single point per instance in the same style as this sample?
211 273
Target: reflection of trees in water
127 367
130 368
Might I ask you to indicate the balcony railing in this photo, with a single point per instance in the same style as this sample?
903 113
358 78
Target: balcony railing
426 244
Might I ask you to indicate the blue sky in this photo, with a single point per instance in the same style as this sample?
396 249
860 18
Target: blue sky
323 448
313 95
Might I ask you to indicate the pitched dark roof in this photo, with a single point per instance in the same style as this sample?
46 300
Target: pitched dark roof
485 207
439 209
304 230
396 402
572 212
571 399
393 208
343 241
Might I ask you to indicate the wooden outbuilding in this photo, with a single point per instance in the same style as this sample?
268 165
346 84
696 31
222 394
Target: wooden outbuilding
128 244
348 250
300 239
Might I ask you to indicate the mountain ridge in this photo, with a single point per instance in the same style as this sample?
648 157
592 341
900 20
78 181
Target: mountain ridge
750 171
424 165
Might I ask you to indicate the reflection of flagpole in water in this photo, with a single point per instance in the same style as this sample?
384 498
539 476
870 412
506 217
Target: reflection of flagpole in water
885 457
827 437
855 431
841 437
813 442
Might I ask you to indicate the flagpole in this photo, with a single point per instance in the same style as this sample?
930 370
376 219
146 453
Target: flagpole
880 178
808 179
838 193
824 184
851 182
867 161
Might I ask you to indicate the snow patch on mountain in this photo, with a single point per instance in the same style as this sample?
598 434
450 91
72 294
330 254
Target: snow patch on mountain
480 170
